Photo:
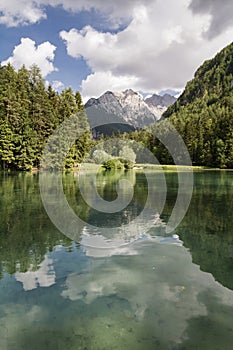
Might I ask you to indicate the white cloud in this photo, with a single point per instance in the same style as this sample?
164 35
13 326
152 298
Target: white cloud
57 85
42 56
162 43
115 13
23 12
161 47
96 84
221 14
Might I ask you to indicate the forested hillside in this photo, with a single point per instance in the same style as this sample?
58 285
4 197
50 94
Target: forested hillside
29 112
204 112
203 115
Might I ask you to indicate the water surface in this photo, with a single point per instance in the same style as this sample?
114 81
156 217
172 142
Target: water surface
117 288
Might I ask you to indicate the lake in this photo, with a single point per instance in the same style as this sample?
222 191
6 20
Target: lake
122 282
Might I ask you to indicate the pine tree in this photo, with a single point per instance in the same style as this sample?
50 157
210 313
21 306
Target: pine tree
30 113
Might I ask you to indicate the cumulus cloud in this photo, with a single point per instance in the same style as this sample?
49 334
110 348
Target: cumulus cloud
220 11
42 56
161 47
57 85
14 12
97 83
116 12
160 44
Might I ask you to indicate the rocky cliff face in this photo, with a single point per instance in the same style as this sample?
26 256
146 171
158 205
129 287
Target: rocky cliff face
126 107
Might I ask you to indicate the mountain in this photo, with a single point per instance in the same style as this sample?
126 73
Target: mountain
203 114
126 108
164 101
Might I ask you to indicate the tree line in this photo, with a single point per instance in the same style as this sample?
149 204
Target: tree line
29 113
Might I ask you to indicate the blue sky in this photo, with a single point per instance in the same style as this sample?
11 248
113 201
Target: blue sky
94 46
71 71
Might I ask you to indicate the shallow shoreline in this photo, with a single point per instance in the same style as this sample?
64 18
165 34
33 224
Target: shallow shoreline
137 167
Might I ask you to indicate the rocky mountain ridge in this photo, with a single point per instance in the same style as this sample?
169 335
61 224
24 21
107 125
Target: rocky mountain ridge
127 107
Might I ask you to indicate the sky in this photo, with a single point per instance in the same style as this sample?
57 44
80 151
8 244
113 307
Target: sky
99 45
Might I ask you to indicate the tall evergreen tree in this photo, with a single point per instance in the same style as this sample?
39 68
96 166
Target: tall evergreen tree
29 113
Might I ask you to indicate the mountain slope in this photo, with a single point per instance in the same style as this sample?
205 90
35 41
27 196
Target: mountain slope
203 114
212 81
126 107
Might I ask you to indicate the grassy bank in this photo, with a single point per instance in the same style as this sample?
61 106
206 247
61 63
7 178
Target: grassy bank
173 167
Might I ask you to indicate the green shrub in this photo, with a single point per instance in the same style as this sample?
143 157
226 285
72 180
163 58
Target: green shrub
113 163
128 164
